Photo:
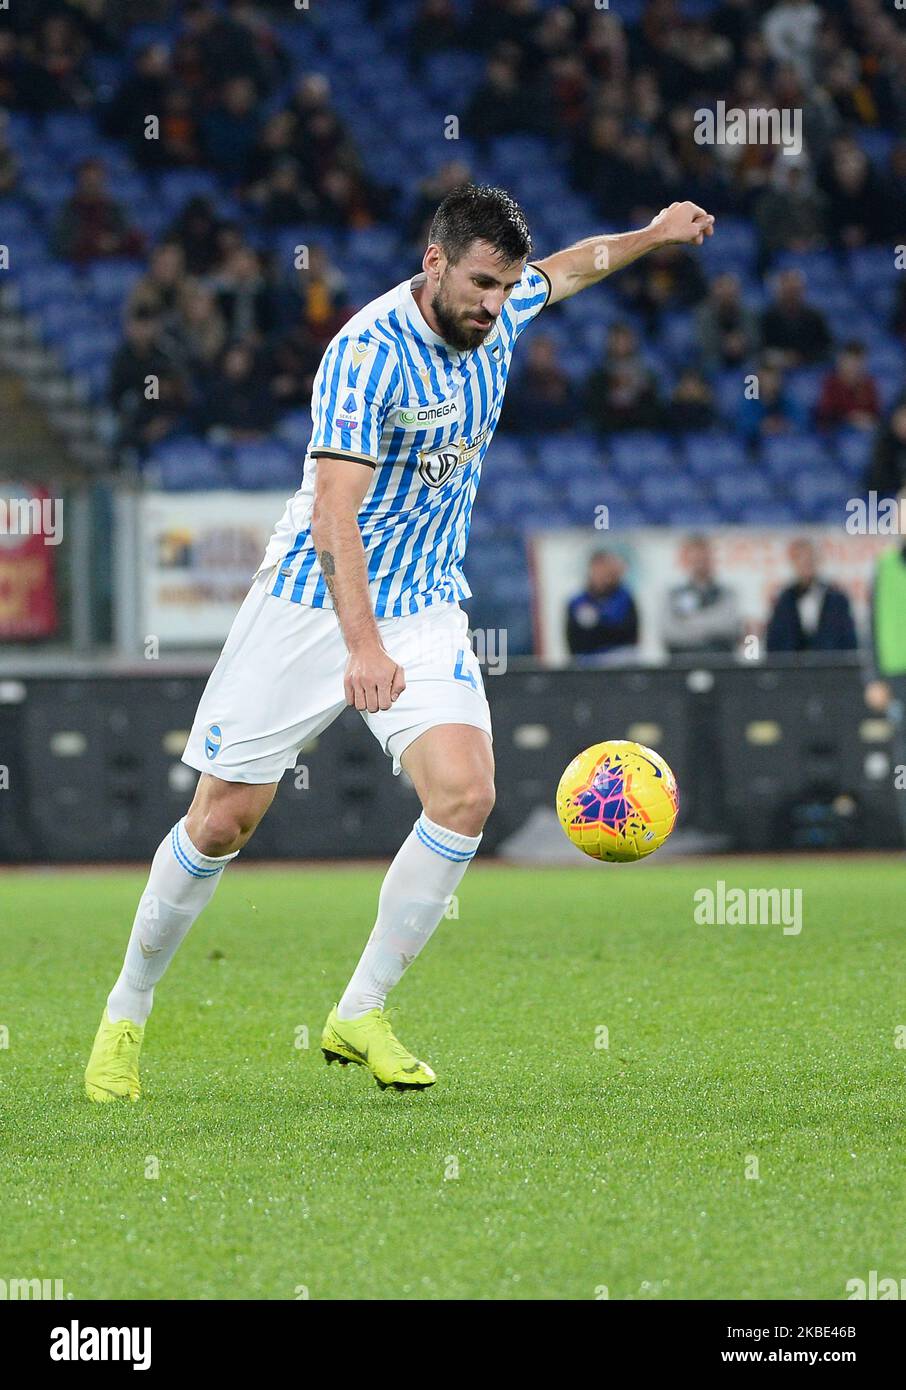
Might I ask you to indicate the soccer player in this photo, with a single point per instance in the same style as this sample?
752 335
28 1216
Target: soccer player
357 602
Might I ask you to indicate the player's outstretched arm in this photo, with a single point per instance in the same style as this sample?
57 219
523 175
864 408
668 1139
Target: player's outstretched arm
373 680
589 261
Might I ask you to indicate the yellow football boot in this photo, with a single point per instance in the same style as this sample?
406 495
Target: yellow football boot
370 1042
112 1071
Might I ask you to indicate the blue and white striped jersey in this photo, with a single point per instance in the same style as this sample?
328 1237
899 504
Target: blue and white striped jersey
393 394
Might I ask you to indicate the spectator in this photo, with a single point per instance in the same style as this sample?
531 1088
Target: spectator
602 620
91 224
790 326
849 395
61 54
24 86
622 394
791 31
180 131
701 615
141 94
773 410
431 192
810 615
542 397
9 164
284 201
887 470
244 297
291 363
230 130
436 28
502 105
691 405
669 279
147 389
196 229
791 214
727 331
226 50
238 404
318 300
199 334
855 195
885 691
160 288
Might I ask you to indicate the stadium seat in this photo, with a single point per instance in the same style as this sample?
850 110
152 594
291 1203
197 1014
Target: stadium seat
709 454
187 464
267 465
854 449
638 452
783 454
735 492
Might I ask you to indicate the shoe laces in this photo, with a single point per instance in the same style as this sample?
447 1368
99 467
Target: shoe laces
123 1060
393 1043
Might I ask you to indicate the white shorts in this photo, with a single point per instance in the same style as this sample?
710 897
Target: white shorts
278 684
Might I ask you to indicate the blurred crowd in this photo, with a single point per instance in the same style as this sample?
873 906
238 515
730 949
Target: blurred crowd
701 615
233 344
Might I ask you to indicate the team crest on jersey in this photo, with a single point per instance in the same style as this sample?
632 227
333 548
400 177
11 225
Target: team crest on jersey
436 465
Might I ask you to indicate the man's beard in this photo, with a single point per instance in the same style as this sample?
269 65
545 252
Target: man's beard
453 330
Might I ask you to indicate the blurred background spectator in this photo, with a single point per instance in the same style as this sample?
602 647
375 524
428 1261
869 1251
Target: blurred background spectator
701 615
602 620
810 615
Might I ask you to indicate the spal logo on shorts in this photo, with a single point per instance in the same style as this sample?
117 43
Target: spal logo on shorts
213 741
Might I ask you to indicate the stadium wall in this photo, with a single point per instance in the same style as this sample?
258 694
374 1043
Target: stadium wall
766 758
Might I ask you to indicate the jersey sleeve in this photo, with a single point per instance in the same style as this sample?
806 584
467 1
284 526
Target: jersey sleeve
528 298
353 392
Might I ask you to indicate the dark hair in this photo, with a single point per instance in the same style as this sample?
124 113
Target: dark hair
476 212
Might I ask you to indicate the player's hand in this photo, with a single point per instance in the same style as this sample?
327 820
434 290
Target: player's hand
877 696
373 680
683 223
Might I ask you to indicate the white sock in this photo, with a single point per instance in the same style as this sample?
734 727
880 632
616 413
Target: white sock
414 897
181 883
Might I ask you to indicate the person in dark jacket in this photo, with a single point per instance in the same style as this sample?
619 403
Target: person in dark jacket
810 615
603 618
887 469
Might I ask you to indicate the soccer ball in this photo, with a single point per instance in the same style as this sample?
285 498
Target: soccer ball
618 801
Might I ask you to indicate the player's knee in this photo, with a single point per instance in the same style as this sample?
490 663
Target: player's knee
463 808
221 830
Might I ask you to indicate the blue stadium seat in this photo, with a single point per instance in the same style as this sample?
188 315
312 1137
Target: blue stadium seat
709 454
871 265
628 516
783 454
776 513
661 491
693 515
737 491
820 268
803 385
111 282
267 465
816 491
638 452
187 464
83 348
854 449
295 430
566 454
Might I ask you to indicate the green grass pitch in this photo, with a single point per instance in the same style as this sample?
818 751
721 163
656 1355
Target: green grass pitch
541 1166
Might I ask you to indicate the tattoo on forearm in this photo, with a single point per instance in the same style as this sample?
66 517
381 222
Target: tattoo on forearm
328 569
